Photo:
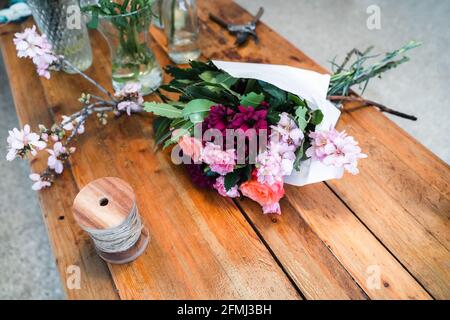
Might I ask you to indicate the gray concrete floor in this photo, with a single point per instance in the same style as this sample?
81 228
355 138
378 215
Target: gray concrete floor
327 28
27 264
322 29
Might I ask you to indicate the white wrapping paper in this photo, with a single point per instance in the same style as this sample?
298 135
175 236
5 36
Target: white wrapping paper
309 85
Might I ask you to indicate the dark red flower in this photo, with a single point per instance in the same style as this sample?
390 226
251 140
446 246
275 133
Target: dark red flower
219 117
249 118
198 177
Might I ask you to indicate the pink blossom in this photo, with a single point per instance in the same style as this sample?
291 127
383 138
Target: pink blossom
221 162
30 44
130 88
21 141
336 149
131 98
57 156
43 63
44 136
39 183
70 125
219 185
129 106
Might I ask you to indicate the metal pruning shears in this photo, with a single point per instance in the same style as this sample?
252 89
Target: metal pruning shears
241 31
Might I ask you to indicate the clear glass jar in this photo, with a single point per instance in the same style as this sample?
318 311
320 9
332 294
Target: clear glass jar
61 22
157 14
181 27
129 42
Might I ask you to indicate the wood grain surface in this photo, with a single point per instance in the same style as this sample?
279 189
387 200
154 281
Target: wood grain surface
390 222
104 203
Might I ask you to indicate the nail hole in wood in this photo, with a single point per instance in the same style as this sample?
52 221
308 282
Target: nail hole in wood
103 202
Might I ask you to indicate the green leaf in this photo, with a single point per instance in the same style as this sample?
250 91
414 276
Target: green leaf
273 117
198 117
163 109
251 86
278 95
160 128
298 157
247 172
316 117
197 109
226 80
179 73
197 106
252 99
230 180
300 117
294 98
93 23
185 129
195 92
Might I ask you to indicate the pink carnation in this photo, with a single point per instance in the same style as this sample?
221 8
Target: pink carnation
278 160
336 149
272 208
269 168
221 162
219 185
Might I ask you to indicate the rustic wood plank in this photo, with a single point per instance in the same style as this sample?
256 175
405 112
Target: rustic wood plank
70 245
405 214
414 193
274 49
307 259
420 160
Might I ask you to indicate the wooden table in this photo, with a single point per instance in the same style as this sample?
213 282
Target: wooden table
334 240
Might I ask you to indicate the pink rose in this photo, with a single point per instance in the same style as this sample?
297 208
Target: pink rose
219 185
191 147
266 195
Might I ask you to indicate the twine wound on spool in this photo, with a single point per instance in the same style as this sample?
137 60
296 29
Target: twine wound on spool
120 238
106 209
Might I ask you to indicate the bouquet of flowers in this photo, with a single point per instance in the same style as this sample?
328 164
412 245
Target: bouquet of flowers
246 131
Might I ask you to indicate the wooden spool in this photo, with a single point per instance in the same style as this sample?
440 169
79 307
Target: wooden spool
103 204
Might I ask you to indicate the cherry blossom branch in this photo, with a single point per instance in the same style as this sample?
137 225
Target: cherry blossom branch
95 83
24 143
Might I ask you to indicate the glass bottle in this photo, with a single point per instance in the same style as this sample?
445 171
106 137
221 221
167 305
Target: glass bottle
61 22
181 28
